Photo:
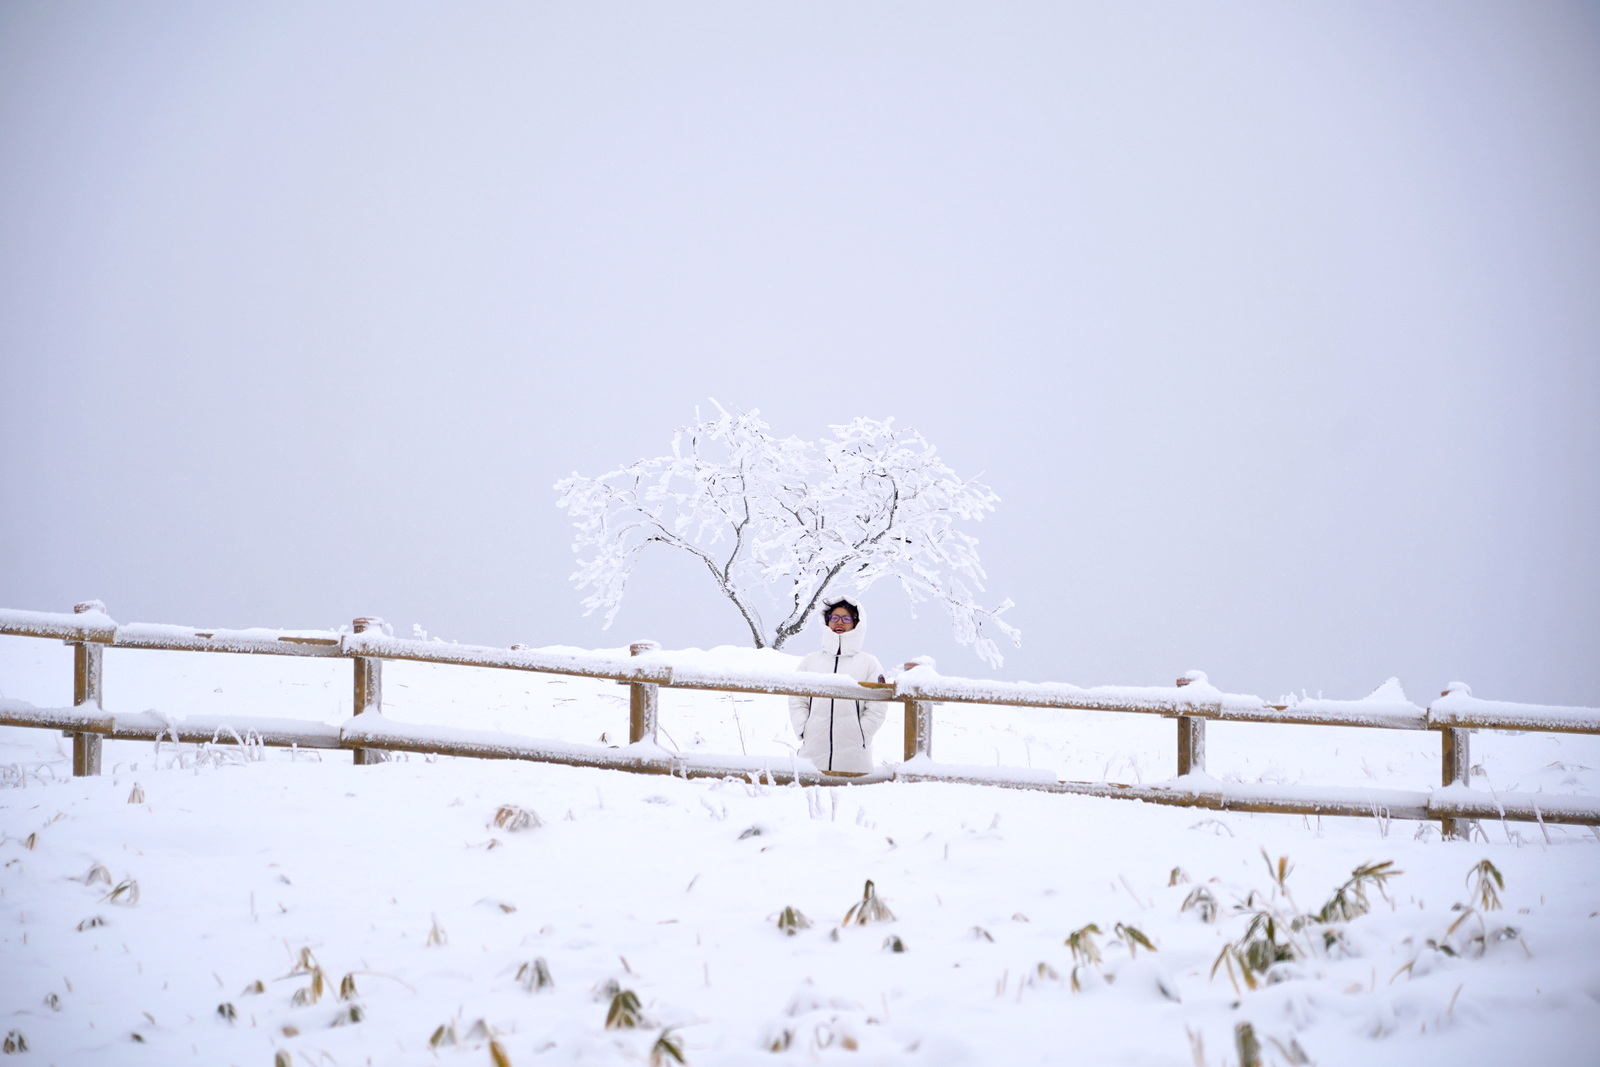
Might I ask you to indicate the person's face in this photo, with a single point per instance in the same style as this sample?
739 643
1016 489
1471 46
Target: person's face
840 620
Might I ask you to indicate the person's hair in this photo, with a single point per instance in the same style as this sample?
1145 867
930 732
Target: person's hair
828 609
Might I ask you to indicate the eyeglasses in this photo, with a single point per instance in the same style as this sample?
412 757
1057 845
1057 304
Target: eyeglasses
841 618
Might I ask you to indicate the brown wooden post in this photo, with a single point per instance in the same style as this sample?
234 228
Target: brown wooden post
87 659
1191 745
1455 769
368 695
1191 737
919 728
643 700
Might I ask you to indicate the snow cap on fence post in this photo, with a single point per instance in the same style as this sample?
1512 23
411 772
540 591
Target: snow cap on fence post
643 700
87 662
368 694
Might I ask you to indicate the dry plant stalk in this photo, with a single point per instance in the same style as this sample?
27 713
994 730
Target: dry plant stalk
791 921
512 818
1201 901
1292 1052
1266 940
1488 881
1279 871
869 909
1244 1039
14 1042
96 873
1349 901
283 1059
1081 942
497 1054
1133 937
126 893
436 935
1085 953
313 992
347 987
137 796
444 1034
625 1012
892 943
226 1011
667 1049
1270 936
535 975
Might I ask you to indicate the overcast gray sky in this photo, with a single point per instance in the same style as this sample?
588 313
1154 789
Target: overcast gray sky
1276 327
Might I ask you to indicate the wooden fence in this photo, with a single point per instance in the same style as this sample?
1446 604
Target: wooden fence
367 734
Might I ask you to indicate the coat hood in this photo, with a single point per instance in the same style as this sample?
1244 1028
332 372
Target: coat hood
849 642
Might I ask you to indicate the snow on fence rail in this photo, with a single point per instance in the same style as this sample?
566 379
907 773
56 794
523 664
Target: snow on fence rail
1191 702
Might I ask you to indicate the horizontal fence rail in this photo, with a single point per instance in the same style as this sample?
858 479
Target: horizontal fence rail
1192 702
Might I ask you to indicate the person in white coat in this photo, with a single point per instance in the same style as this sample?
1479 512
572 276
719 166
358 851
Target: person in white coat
836 735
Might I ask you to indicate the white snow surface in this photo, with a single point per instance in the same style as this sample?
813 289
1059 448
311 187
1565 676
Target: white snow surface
670 888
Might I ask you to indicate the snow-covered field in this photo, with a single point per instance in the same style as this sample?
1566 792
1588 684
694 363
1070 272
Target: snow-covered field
192 903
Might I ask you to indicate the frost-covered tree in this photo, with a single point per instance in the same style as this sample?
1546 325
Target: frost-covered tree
777 520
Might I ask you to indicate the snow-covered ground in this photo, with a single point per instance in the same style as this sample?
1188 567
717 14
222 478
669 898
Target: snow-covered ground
190 904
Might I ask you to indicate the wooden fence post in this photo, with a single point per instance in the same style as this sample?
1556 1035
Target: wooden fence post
368 694
87 659
1191 745
643 700
1456 769
919 728
1191 737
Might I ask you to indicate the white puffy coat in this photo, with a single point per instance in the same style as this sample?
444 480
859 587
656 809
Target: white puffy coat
836 735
